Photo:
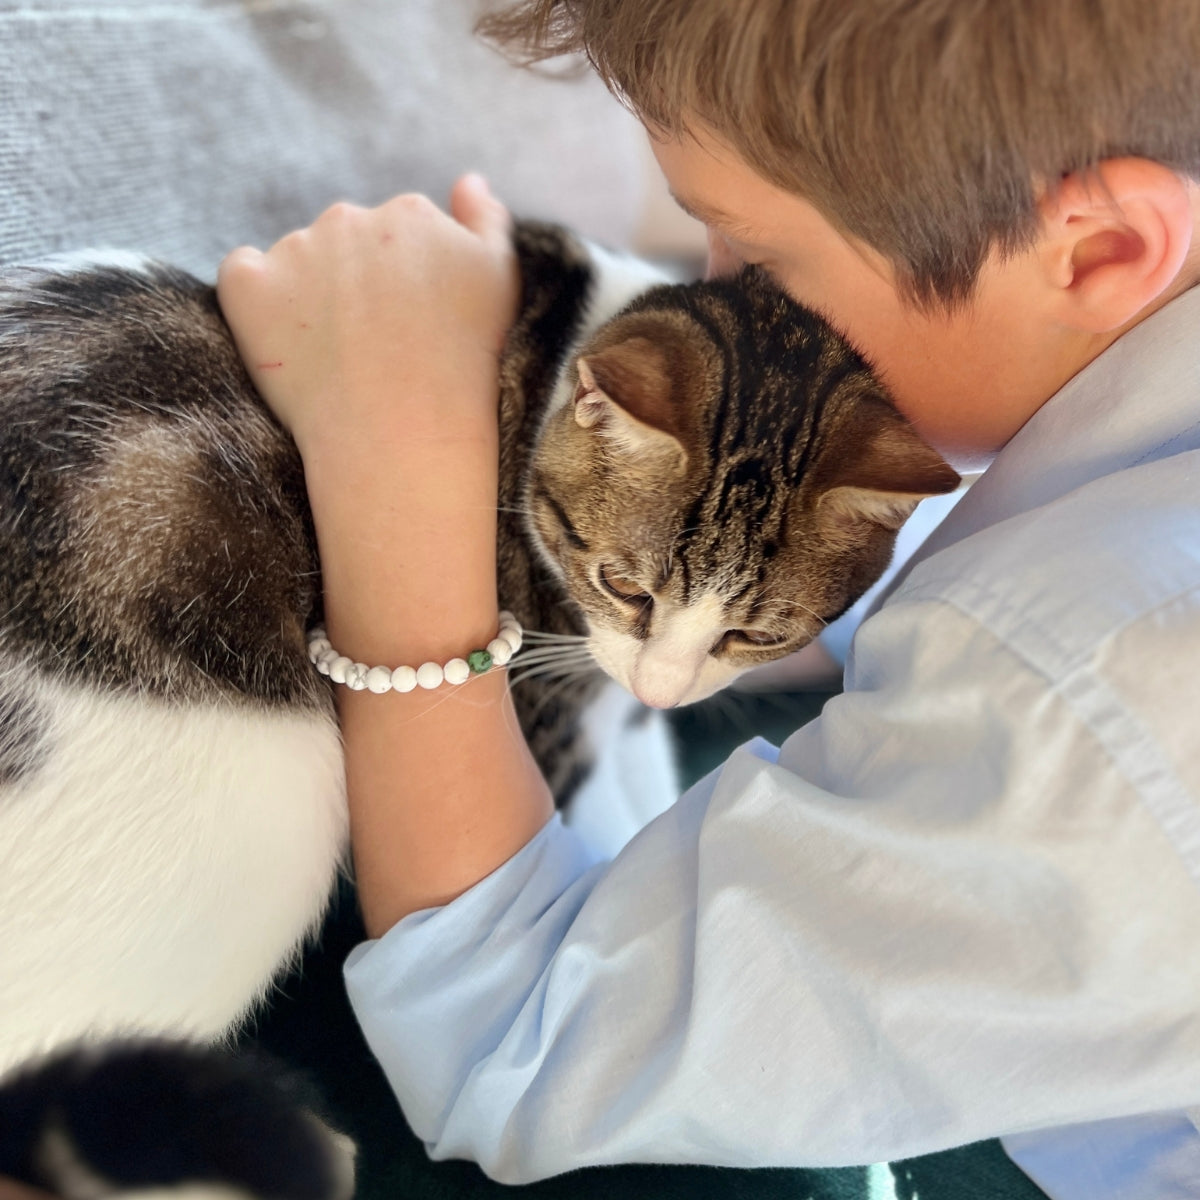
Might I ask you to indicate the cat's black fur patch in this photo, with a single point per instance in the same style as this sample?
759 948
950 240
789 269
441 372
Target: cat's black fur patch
557 279
23 737
158 1114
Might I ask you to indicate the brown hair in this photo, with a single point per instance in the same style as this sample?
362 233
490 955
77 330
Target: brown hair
921 127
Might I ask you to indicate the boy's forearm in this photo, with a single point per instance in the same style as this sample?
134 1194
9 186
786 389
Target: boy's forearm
408 546
443 790
373 337
442 786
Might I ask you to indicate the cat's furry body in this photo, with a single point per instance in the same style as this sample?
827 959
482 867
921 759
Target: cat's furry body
714 476
172 809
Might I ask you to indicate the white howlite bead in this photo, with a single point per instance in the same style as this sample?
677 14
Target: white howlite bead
430 675
404 679
359 677
456 671
379 680
500 650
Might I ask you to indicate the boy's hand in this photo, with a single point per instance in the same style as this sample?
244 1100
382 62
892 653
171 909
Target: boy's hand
374 335
349 326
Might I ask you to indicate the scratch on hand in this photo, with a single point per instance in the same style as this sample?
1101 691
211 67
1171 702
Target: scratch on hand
269 366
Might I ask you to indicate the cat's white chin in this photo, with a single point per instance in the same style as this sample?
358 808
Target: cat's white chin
662 672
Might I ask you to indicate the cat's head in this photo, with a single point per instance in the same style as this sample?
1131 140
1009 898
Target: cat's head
726 477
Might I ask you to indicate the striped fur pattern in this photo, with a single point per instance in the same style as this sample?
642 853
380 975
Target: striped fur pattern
694 479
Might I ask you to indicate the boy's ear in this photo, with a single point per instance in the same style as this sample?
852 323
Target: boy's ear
1114 238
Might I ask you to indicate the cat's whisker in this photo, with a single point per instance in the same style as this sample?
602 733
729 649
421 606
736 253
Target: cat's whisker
555 660
553 654
556 646
550 664
553 691
556 665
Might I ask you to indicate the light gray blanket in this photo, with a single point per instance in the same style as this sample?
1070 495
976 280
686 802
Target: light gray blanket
183 128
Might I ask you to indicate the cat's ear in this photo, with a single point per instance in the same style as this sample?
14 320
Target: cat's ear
884 470
625 394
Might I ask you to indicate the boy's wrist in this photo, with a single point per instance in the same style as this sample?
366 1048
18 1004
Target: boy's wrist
398 419
408 548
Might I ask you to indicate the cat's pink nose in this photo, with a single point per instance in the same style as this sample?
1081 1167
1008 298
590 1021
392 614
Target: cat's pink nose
657 697
664 673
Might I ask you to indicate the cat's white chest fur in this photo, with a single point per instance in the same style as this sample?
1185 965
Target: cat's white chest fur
152 892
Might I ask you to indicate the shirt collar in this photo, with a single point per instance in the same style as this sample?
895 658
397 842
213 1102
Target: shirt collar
1136 402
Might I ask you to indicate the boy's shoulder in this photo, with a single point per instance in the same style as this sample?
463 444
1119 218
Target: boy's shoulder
1060 582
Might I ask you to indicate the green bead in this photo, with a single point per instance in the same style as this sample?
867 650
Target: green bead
479 661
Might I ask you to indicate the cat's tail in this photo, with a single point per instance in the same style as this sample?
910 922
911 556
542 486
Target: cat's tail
159 1117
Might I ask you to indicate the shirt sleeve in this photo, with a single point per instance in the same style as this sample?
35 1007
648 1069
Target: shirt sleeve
941 913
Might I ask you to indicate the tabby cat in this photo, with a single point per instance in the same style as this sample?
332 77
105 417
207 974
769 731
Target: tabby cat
695 478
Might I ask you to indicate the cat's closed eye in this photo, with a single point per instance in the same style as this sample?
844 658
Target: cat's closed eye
759 637
734 640
623 588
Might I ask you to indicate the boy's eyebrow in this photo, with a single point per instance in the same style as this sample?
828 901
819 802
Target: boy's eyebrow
714 218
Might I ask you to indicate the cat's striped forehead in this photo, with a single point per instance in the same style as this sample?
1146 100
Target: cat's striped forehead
779 378
718 483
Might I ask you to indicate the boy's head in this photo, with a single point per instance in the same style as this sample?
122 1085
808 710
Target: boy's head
982 193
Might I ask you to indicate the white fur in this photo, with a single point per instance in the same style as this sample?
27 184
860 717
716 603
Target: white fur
75 262
152 892
673 665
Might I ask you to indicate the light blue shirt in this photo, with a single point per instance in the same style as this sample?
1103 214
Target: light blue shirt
962 903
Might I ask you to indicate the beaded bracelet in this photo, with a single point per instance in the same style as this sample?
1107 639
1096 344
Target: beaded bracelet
359 677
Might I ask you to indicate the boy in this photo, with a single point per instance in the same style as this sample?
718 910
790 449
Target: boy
963 902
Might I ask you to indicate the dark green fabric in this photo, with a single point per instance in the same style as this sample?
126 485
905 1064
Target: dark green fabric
310 1026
